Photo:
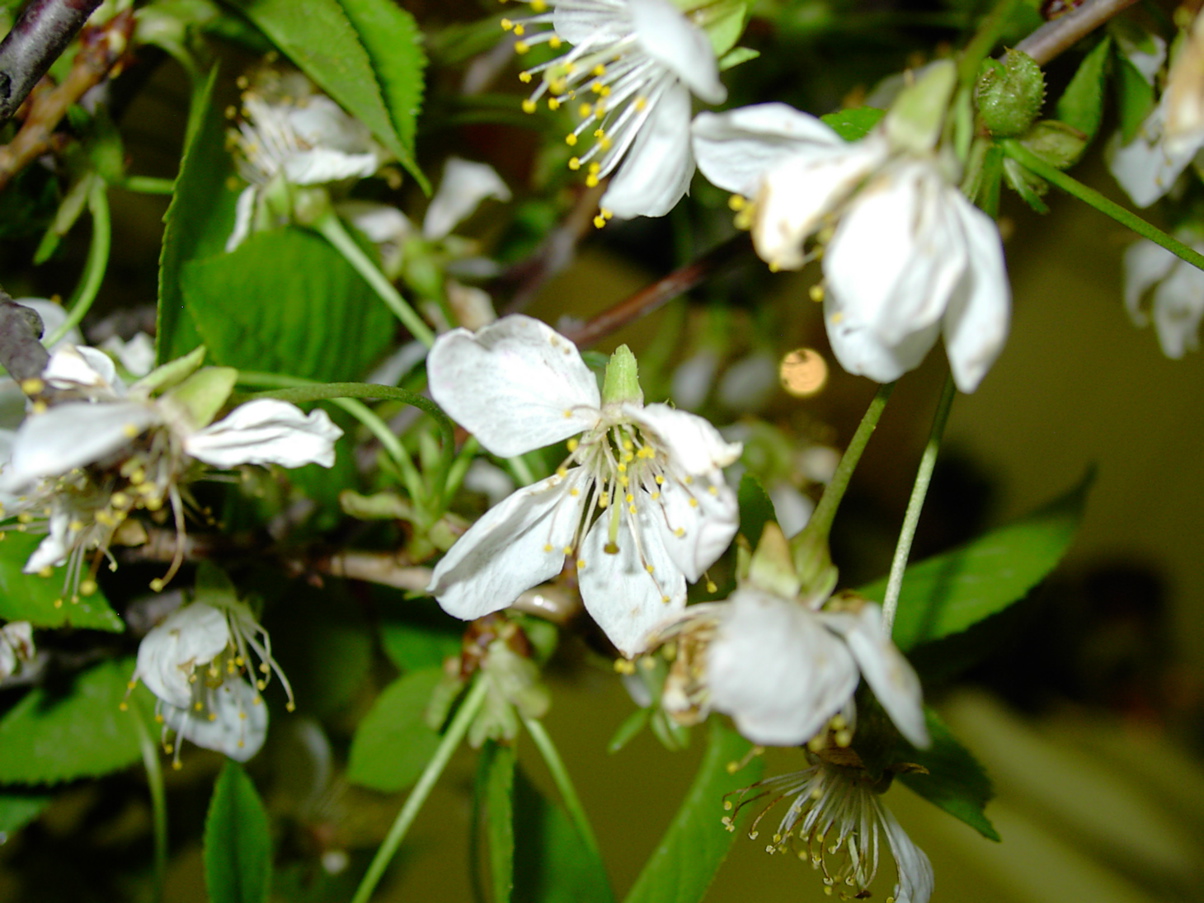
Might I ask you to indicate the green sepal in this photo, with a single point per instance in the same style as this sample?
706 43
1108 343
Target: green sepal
916 118
204 393
622 380
170 374
1081 105
1058 144
1030 187
1009 93
736 56
772 567
853 124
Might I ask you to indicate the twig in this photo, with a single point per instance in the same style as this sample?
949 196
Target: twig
1053 37
660 292
40 34
21 352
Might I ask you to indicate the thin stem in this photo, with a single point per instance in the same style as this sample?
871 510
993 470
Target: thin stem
332 229
915 504
1075 188
825 511
148 185
560 775
40 34
154 782
455 733
1054 37
96 264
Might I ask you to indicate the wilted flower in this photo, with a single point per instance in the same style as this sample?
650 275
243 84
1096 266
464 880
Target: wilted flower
906 256
1155 278
629 74
640 502
292 135
835 820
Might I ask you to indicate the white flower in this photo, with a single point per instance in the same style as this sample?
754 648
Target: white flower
628 76
641 501
1154 277
784 668
292 135
465 184
908 258
196 664
836 820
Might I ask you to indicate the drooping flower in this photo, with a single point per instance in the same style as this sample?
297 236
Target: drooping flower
206 665
1174 289
640 502
103 451
628 76
835 820
908 257
291 135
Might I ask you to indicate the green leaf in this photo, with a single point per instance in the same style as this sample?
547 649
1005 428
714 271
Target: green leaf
854 124
59 733
17 809
948 593
495 795
393 743
198 222
681 868
1081 105
238 843
955 782
39 600
285 301
756 508
394 45
552 864
318 35
414 646
632 725
1135 96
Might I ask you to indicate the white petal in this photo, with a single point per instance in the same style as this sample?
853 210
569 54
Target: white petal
515 546
54 549
1145 167
695 524
863 353
516 384
655 173
693 378
266 431
592 23
189 638
735 149
465 184
1178 309
691 444
916 880
680 46
1146 264
979 312
631 591
137 355
74 434
777 670
239 723
320 122
380 223
888 673
83 368
320 165
244 213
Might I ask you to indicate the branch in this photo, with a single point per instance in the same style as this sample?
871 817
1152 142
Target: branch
1053 37
21 351
39 36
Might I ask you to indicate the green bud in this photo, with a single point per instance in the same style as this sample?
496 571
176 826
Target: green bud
917 116
1057 143
1010 93
622 381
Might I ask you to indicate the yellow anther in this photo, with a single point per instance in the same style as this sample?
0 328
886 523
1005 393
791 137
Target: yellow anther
574 492
649 568
599 70
528 105
604 142
573 444
679 532
520 30
836 318
737 202
591 181
611 548
525 77
568 550
666 599
521 46
631 509
131 430
157 585
58 603
581 564
562 471
641 103
554 42
548 547
87 587
575 164
32 386
539 6
507 24
743 220
711 586
570 139
603 501
599 221
654 496
629 498
553 103
775 267
816 293
585 110
693 503
713 490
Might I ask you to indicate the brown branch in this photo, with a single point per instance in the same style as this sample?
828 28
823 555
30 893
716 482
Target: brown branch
40 34
21 351
1060 34
661 292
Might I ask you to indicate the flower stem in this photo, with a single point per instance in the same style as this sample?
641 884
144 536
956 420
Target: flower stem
915 504
560 775
148 185
330 227
154 782
455 733
1075 188
97 262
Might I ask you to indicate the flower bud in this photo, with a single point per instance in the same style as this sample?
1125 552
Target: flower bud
1009 94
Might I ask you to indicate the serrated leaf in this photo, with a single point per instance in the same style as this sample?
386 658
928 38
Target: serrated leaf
285 301
552 864
681 868
198 222
756 508
854 124
238 842
955 782
17 809
39 600
495 795
1081 105
79 730
394 45
948 593
1135 97
318 36
393 744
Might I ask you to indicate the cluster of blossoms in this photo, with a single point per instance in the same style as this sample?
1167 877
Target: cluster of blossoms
199 664
102 451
